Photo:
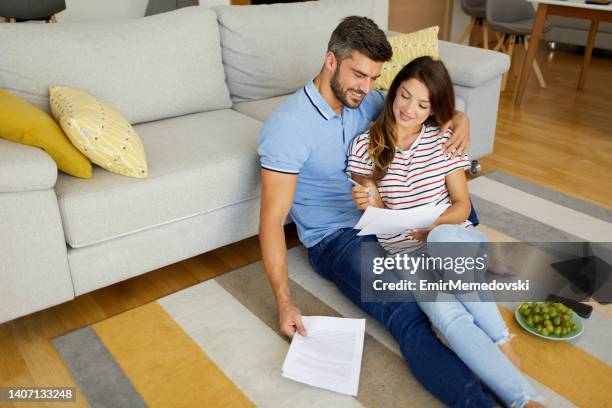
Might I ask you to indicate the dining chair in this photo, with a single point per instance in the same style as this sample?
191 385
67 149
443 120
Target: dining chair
513 19
476 9
22 10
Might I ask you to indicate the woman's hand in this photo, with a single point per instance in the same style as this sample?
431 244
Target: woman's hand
420 234
366 194
459 141
363 197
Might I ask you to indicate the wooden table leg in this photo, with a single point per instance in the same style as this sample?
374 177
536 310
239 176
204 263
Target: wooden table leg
536 34
588 51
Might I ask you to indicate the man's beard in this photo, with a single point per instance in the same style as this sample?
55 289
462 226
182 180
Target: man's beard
342 94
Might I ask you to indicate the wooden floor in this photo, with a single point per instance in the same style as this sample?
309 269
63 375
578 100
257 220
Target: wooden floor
559 138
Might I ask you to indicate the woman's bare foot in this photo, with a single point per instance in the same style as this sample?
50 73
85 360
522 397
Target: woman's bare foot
533 404
498 267
508 351
497 262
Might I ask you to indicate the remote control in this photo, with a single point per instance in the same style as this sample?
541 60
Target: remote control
580 308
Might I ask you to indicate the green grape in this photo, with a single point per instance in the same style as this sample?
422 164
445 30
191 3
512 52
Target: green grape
548 318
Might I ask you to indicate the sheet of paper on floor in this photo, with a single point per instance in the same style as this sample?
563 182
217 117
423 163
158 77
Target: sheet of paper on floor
329 356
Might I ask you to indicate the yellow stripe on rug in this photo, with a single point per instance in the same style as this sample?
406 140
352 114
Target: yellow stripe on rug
164 364
568 370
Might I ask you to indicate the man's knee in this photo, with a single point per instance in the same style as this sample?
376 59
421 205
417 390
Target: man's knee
404 316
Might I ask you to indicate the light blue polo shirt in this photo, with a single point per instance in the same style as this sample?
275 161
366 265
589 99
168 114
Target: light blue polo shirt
305 136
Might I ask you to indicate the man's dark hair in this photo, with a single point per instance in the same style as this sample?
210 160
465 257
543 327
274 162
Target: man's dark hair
361 34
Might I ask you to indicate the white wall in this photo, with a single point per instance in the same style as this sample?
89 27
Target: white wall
381 13
112 10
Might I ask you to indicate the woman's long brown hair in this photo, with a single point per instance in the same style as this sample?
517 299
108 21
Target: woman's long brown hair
434 76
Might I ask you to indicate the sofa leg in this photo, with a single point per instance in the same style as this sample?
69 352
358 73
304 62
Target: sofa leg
475 168
53 19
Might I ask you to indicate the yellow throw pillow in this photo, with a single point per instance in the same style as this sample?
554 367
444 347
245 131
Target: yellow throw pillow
99 132
406 48
23 123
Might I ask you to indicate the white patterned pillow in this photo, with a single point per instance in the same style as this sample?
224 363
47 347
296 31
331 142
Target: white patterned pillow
99 132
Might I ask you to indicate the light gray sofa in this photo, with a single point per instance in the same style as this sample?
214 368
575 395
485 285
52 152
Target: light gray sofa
197 84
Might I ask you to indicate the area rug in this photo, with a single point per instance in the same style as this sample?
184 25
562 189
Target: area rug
216 344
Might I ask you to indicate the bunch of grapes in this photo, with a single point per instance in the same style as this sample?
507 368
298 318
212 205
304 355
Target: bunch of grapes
549 318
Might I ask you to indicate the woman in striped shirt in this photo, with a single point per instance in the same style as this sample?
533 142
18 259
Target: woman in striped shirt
400 164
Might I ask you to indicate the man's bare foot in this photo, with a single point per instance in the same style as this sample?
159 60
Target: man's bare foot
508 351
533 404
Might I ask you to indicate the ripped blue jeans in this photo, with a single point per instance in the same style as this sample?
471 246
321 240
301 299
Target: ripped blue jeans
474 329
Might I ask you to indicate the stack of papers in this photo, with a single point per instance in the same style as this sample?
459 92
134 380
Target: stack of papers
329 356
380 221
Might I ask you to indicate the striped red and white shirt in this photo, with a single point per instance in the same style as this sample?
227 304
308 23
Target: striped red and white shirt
416 178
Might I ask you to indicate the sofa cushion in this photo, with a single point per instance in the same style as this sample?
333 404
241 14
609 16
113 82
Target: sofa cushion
148 69
262 109
261 55
197 163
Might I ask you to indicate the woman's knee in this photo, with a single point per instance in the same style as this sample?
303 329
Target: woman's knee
455 233
447 316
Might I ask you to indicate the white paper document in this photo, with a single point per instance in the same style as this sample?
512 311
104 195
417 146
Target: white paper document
329 356
384 221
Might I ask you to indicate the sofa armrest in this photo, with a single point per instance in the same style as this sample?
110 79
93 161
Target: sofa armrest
471 66
25 168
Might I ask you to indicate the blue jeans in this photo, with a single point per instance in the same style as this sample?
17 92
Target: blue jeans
338 258
474 329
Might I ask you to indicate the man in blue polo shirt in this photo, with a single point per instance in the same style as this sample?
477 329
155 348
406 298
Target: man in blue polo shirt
303 151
